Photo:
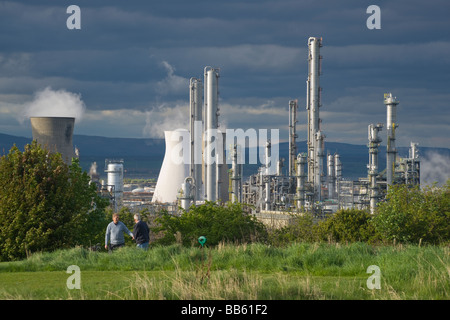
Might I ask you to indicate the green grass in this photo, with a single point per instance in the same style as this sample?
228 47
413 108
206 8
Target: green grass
252 272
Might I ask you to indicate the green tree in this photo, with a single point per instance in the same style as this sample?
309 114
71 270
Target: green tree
216 222
411 214
45 204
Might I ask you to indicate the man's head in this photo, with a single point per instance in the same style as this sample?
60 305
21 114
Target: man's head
115 218
137 217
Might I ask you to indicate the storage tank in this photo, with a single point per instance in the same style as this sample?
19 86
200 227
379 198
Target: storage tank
114 169
55 134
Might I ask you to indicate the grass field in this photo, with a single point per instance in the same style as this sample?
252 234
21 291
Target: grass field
233 272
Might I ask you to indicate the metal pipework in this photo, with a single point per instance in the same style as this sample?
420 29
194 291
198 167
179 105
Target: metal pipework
186 197
280 165
413 150
374 143
211 123
412 171
391 152
195 106
293 105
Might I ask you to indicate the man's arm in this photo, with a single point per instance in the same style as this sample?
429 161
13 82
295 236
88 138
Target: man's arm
107 235
125 229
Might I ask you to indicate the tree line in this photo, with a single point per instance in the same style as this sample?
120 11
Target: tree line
46 204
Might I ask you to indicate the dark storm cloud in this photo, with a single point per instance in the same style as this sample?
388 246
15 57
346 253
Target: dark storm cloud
139 55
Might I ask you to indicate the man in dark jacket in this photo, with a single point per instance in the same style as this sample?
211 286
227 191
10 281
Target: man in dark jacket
141 233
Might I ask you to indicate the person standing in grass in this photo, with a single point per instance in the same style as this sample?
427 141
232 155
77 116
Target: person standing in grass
114 233
141 233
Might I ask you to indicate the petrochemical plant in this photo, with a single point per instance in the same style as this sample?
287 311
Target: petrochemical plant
313 180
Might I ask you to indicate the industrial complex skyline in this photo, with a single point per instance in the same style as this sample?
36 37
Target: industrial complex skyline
126 72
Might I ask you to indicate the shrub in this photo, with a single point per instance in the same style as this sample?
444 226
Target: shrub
411 214
228 223
347 225
300 229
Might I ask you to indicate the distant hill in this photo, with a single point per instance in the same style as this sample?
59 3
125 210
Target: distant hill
144 157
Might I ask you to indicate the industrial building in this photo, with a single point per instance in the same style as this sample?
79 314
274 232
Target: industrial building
314 180
196 169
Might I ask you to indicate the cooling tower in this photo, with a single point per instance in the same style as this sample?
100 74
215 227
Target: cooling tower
173 170
55 134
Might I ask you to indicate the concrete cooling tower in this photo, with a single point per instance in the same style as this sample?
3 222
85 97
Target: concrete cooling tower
173 172
55 134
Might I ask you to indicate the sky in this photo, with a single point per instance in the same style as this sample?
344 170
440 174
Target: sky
125 72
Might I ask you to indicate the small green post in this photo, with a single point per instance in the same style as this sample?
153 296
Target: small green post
202 240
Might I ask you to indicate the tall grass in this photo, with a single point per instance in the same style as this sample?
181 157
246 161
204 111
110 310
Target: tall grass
251 271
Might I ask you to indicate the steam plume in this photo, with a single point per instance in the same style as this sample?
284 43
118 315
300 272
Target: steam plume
165 118
434 167
55 103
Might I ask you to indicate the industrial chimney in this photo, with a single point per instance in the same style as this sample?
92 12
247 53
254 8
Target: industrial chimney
55 134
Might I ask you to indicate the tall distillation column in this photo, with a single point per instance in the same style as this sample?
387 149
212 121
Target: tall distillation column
312 106
318 166
301 178
267 176
337 173
391 152
293 105
374 143
236 168
196 105
211 123
331 176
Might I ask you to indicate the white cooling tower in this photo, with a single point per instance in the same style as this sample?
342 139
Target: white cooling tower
173 170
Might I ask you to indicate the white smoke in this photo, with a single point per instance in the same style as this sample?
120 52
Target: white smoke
171 84
434 167
55 103
165 118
